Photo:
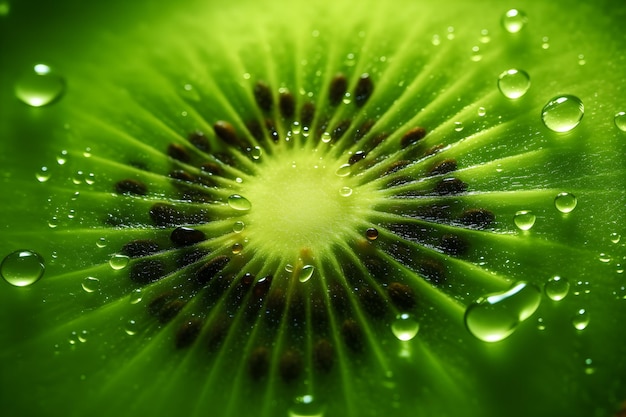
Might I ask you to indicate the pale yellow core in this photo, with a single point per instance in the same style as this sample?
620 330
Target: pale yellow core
299 203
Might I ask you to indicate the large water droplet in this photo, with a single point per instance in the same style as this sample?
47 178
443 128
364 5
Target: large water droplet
494 317
306 273
326 137
345 191
131 327
118 261
101 242
22 268
405 327
256 152
306 406
40 86
238 202
514 20
238 226
620 121
514 83
565 202
371 234
557 288
563 113
136 296
43 175
90 284
581 319
524 219
343 170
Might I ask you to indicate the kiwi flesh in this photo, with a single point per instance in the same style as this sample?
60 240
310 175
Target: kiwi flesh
210 317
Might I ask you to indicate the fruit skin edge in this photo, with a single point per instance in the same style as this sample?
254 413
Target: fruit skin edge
28 167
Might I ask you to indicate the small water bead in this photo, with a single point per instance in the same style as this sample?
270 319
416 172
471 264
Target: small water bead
565 202
581 319
620 121
90 179
589 368
541 324
514 83
237 248
40 86
524 219
345 191
71 214
238 226
604 258
514 20
101 242
90 284
289 268
130 327
582 287
482 111
239 203
563 113
581 59
62 157
306 406
326 137
82 336
458 126
436 40
78 177
295 128
557 288
494 317
371 234
136 295
22 268
405 327
53 222
256 152
484 36
450 34
545 42
343 170
615 237
118 261
306 273
476 55
43 175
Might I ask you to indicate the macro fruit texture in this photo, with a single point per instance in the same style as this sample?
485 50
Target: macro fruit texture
313 209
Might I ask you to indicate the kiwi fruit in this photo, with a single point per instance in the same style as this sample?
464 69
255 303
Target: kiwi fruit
314 210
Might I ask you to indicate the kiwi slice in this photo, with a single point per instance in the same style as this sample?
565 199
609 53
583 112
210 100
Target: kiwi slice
321 209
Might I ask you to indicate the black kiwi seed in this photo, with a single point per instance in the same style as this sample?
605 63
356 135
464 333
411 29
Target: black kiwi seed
287 104
363 90
443 167
263 96
226 132
131 186
323 355
199 140
412 136
145 271
188 332
210 269
139 248
291 365
448 186
477 218
178 152
353 335
337 89
356 157
307 114
259 362
185 236
401 295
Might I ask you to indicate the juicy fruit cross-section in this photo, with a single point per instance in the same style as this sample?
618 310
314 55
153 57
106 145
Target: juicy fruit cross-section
313 209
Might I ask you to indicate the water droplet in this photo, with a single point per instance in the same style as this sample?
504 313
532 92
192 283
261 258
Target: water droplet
118 261
581 59
53 222
494 317
615 237
295 128
458 126
22 268
237 248
371 234
604 258
82 336
405 327
482 111
343 170
40 86
565 202
131 327
306 273
436 40
557 288
136 296
101 242
589 368
620 121
524 219
43 175
91 178
238 226
90 284
62 157
306 406
563 113
540 324
71 214
476 54
289 268
581 319
582 287
73 338
238 202
545 42
326 137
78 177
484 36
514 20
450 34
256 152
514 83
345 191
